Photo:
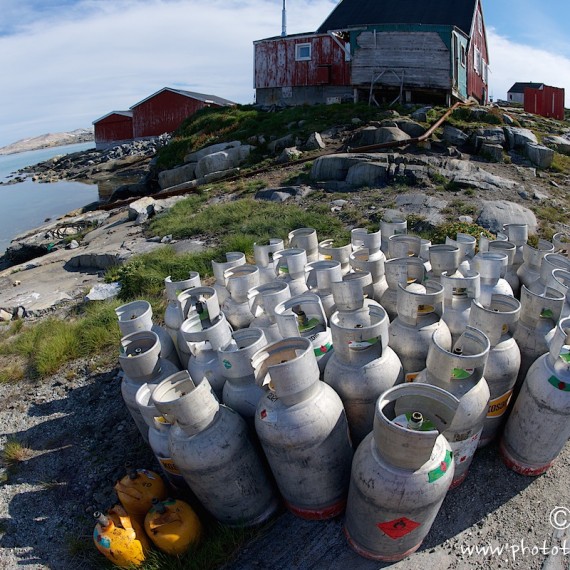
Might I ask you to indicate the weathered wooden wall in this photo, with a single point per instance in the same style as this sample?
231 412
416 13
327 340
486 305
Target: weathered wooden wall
476 85
548 102
275 64
422 57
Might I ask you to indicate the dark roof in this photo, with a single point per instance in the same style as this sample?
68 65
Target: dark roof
124 113
354 13
519 87
193 95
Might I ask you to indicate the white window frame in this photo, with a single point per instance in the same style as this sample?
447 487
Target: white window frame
298 48
463 55
479 23
477 60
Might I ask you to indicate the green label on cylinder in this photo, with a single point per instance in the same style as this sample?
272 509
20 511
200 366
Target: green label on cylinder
441 470
564 386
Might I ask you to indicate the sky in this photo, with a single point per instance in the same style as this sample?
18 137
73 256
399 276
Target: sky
66 63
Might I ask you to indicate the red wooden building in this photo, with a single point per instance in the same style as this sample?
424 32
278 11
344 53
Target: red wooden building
164 111
301 68
114 128
545 100
377 50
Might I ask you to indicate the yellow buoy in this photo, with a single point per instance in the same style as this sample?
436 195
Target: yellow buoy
137 489
173 526
115 536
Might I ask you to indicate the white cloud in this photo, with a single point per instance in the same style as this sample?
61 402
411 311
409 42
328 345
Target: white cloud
512 62
109 55
66 67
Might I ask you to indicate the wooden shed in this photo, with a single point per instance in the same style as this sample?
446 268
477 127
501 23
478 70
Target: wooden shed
164 111
410 51
516 93
113 128
302 69
545 100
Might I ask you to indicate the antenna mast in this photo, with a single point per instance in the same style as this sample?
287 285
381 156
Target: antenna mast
284 21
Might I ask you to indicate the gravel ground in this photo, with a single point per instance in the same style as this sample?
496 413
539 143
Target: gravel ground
80 435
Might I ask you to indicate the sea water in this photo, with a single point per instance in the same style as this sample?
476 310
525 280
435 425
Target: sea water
26 205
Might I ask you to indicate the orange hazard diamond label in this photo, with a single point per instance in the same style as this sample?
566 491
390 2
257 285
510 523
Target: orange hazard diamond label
398 527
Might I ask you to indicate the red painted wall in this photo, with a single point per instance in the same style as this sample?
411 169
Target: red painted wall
275 64
113 128
548 102
163 113
475 84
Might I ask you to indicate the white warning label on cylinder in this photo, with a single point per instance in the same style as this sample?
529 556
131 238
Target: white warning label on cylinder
465 448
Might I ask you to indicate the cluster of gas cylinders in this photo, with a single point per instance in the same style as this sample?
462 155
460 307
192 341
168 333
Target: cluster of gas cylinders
359 379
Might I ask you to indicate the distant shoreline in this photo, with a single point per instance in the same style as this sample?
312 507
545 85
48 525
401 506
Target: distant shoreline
49 140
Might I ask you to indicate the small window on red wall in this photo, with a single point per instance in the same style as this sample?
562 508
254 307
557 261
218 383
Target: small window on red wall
302 52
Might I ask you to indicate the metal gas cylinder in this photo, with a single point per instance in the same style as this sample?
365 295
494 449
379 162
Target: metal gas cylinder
425 246
241 393
198 300
460 372
419 316
328 251
538 317
444 258
529 271
510 249
550 262
302 427
158 437
361 238
262 303
303 315
139 357
561 282
320 275
263 255
517 234
404 245
362 365
391 227
467 244
233 259
401 472
137 316
173 526
350 297
360 261
491 267
119 538
239 280
404 270
290 267
173 316
205 338
484 241
498 320
212 447
137 489
307 240
539 426
458 292
561 243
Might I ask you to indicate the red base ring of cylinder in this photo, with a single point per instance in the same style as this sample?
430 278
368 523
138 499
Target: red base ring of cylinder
378 557
513 465
318 514
458 482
